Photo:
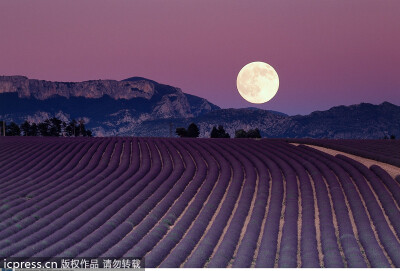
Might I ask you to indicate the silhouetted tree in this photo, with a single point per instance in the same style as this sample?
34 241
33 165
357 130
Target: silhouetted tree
219 132
71 129
80 130
75 128
50 127
26 127
54 126
81 126
181 132
240 133
34 130
1 128
43 128
63 128
13 129
214 132
254 133
193 130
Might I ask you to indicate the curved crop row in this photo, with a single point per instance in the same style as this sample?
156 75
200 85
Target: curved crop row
370 243
196 203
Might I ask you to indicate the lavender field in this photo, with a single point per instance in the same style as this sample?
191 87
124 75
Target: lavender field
195 203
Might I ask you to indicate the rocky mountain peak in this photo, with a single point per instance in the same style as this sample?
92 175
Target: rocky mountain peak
42 89
130 101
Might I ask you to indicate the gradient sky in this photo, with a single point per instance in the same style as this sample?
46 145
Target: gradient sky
326 52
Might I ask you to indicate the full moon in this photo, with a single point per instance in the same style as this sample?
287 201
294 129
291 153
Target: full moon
257 82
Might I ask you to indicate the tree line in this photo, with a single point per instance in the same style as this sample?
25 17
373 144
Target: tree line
50 127
217 132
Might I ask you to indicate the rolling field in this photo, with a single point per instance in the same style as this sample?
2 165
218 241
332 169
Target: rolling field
195 203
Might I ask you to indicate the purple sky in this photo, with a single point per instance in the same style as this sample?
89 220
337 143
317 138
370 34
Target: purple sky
326 53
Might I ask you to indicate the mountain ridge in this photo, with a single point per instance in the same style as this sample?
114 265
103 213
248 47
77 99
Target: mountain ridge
373 123
137 106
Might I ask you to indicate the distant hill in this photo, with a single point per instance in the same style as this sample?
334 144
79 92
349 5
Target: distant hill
356 121
363 120
109 107
141 107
